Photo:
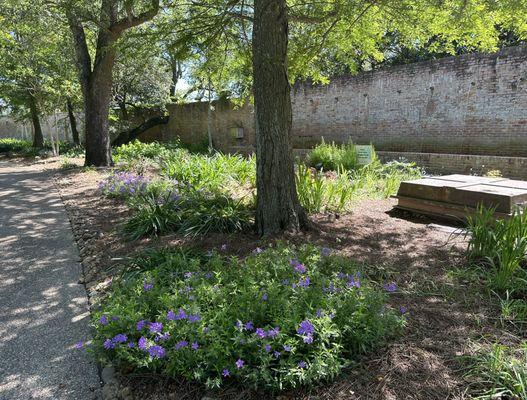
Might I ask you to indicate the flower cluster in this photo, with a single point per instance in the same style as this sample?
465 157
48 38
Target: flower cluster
216 318
124 184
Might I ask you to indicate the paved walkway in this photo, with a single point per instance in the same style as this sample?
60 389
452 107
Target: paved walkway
43 311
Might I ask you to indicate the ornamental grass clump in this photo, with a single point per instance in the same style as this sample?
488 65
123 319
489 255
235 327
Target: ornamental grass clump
281 318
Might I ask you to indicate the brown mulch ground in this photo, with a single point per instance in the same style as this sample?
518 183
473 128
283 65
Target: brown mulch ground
444 312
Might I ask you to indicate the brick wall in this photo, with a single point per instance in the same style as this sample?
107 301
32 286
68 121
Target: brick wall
469 105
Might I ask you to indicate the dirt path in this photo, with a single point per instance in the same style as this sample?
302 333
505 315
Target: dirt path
43 310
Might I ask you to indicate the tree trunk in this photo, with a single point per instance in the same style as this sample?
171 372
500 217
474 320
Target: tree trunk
73 124
277 205
38 137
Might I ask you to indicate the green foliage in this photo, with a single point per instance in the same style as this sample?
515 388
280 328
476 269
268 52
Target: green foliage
501 246
218 311
137 150
503 371
193 213
15 146
318 193
332 157
152 216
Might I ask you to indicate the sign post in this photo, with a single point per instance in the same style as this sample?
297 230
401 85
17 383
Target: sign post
364 154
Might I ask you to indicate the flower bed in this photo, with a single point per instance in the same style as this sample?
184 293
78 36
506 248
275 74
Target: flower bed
280 318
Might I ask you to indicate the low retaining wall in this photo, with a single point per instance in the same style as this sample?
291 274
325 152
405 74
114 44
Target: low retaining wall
435 163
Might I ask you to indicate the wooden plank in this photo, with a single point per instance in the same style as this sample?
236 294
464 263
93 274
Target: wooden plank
429 188
439 209
503 198
469 179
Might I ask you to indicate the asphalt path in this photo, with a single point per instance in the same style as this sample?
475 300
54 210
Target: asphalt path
43 309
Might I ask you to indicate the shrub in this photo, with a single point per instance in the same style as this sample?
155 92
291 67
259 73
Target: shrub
15 146
280 318
137 150
329 156
500 245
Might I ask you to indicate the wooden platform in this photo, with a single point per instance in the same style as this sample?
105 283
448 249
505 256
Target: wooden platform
456 196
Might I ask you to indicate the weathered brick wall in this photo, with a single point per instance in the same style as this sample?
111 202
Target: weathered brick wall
190 123
472 104
470 164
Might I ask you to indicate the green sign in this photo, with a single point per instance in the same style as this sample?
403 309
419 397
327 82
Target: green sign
364 154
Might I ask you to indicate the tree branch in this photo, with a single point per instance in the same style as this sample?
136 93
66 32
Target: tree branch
134 20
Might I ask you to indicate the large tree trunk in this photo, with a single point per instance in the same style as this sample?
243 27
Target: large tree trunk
277 206
38 137
96 81
73 123
97 106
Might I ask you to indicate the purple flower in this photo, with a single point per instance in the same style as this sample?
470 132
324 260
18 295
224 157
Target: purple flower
325 252
403 309
260 333
225 373
390 287
148 286
353 283
120 338
267 348
238 325
163 337
131 345
108 344
171 316
157 351
194 318
181 344
304 282
206 329
302 364
140 325
155 327
187 275
319 313
79 345
114 318
272 333
240 363
306 328
142 343
264 297
194 346
180 315
300 268
103 320
249 326
285 282
308 338
287 348
276 353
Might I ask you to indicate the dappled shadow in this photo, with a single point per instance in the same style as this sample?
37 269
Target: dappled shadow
43 310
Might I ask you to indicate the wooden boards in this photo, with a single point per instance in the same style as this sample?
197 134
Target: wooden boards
456 196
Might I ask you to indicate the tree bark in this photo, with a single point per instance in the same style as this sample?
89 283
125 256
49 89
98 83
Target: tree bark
96 81
73 123
277 205
38 137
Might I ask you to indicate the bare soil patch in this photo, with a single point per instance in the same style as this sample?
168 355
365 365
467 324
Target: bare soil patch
445 312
